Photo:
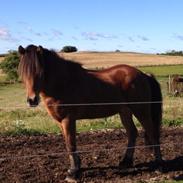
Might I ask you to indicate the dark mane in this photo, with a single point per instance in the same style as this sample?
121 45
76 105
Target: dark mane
72 71
52 56
34 62
29 63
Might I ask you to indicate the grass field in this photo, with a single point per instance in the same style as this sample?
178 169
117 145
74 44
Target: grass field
17 118
163 70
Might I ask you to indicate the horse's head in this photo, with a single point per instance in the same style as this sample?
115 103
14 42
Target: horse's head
31 71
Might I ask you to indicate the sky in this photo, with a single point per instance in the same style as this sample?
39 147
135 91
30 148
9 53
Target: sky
148 26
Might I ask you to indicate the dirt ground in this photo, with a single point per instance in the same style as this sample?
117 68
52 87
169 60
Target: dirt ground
41 159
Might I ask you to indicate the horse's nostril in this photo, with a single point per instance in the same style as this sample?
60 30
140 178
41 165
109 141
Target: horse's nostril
33 102
29 100
36 100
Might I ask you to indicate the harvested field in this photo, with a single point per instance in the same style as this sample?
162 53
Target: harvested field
107 59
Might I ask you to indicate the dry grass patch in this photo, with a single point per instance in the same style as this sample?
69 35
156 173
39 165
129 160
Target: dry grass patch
1 58
107 59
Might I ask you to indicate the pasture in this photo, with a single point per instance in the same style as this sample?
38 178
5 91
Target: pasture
17 117
38 134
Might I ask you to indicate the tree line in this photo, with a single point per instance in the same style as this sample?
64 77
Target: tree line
172 53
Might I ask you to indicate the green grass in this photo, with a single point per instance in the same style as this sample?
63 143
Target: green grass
26 120
163 70
16 118
98 124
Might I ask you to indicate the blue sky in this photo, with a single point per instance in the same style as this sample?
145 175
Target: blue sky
149 26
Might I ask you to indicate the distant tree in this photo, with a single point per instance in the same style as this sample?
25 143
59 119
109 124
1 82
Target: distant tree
10 65
117 50
173 53
68 49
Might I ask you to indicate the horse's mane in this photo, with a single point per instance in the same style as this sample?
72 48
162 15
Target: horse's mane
29 63
33 62
55 57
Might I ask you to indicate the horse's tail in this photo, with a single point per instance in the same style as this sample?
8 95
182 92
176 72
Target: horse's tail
156 106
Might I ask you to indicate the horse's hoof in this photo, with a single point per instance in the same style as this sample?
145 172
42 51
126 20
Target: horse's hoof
72 176
126 163
70 179
160 165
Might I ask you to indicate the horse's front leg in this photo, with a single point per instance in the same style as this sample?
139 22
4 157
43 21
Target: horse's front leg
69 131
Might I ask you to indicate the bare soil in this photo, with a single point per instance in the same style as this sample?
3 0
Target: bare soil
42 159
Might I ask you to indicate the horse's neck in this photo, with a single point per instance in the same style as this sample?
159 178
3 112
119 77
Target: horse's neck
63 75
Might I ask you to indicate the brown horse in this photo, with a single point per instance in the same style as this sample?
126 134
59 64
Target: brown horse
71 92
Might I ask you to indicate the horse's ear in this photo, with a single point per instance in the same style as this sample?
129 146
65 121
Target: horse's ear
21 50
40 49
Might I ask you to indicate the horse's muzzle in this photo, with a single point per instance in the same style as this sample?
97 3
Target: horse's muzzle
33 102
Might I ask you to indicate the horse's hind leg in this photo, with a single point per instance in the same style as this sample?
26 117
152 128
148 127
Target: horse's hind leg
131 130
151 131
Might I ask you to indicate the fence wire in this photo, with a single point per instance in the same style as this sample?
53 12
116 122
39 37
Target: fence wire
3 158
82 105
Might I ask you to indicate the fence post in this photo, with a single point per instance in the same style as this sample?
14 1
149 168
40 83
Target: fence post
169 84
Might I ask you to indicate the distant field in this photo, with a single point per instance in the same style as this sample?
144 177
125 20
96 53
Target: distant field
106 59
1 58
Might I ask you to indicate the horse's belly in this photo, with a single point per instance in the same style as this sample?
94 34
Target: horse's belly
92 112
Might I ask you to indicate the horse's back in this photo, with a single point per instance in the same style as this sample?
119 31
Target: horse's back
133 84
120 76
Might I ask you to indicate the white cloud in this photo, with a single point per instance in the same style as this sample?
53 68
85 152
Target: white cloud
74 38
138 37
131 39
56 33
96 36
30 29
179 37
6 35
143 38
